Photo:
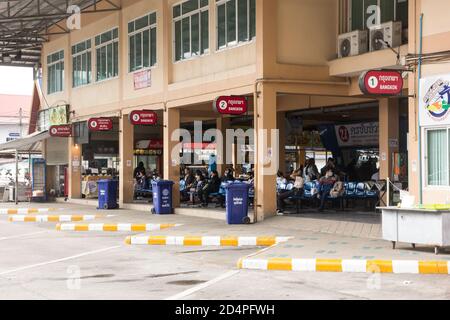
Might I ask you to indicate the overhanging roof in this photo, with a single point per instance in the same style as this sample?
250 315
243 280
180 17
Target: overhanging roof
25 24
31 143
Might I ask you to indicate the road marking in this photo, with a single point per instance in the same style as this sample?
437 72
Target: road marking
26 210
228 241
114 227
347 266
53 218
202 286
58 260
22 235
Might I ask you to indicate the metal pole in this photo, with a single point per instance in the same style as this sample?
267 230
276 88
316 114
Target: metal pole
16 195
418 115
20 121
388 192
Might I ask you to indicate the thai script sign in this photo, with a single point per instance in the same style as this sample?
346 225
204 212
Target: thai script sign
63 131
231 105
142 79
143 118
359 134
100 124
381 82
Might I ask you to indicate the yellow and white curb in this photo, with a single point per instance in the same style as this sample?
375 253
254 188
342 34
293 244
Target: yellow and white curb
27 210
114 227
205 241
53 218
347 266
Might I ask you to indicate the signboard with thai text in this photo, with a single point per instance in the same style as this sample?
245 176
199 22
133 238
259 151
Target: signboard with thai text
142 79
143 118
100 124
358 134
62 131
381 82
231 105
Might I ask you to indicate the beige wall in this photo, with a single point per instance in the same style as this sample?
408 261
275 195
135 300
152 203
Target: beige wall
307 31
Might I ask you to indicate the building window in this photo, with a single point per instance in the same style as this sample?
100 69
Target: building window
107 54
438 146
236 22
82 64
191 29
55 72
390 10
142 42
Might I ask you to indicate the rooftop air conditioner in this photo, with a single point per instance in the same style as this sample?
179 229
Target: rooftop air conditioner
352 43
389 33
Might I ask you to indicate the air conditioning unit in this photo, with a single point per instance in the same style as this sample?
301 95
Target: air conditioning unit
386 33
352 43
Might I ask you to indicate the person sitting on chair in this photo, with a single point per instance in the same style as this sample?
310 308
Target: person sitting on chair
326 185
212 186
297 190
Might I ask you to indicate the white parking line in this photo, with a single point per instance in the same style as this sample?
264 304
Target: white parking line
202 286
58 260
22 235
224 276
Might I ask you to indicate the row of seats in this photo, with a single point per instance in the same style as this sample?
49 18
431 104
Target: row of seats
352 191
220 195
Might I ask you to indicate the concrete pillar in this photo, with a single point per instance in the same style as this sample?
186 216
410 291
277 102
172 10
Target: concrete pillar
74 171
126 148
301 157
222 124
389 134
281 125
172 149
266 152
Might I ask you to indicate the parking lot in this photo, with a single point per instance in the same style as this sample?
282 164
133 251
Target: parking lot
40 262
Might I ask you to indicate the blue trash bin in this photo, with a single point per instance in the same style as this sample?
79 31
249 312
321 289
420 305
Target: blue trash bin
107 194
162 197
237 203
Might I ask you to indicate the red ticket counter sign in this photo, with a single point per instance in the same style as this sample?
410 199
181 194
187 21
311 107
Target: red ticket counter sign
231 105
100 124
62 131
381 82
143 118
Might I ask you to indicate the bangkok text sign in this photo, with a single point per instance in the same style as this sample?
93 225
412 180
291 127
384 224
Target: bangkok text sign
381 82
232 105
143 118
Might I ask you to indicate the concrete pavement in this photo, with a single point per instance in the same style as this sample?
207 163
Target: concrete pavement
39 262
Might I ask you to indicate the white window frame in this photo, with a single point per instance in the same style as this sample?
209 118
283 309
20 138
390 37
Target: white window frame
350 17
149 28
425 157
86 51
180 18
104 44
236 42
62 74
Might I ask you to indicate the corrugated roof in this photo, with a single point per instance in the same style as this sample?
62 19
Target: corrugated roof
24 25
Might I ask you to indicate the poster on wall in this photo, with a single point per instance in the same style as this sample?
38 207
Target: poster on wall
142 79
434 101
357 134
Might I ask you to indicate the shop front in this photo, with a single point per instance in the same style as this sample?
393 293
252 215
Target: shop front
95 154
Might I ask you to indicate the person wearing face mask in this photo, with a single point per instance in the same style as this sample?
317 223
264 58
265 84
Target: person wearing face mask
326 185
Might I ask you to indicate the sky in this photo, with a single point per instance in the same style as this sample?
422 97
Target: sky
16 80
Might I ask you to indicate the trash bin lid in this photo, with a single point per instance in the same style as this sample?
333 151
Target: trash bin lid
162 182
238 185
